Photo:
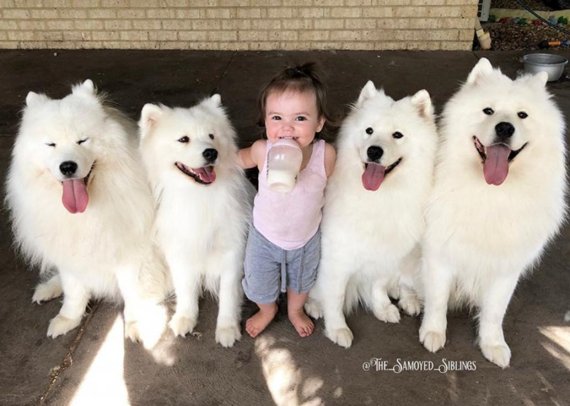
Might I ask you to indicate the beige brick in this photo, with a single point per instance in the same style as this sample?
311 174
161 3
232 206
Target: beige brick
193 35
147 25
117 25
8 45
131 14
102 13
321 35
427 2
220 13
379 12
222 36
280 12
264 46
329 24
134 35
21 35
6 4
236 24
313 12
283 35
360 24
105 35
358 3
60 25
85 3
177 25
456 46
49 35
71 13
233 3
252 36
76 36
177 3
297 24
206 24
114 3
396 3
16 14
145 3
43 13
9 24
265 24
163 35
161 13
31 25
328 3
338 12
3 36
89 25
188 13
391 23
26 4
265 3
443 11
465 35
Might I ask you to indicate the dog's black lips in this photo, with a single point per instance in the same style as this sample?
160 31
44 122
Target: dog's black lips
187 171
389 168
481 150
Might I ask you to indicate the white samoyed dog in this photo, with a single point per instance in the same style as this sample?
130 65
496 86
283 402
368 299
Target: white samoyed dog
498 199
204 205
374 206
80 204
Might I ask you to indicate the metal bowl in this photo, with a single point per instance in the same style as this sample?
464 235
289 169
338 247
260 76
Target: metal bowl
549 63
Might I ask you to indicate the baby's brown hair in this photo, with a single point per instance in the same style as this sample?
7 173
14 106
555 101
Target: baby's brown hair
300 78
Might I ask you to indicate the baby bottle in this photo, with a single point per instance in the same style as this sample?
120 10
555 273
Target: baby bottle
283 164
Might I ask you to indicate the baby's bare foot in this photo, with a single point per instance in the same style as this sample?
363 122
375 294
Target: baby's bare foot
259 321
302 323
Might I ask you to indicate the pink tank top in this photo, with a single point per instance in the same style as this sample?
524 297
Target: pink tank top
289 220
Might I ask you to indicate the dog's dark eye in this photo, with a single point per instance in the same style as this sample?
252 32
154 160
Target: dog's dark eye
184 139
522 114
211 136
82 141
488 111
397 135
50 144
370 131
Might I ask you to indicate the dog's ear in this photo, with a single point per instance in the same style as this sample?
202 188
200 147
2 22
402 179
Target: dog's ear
150 115
422 102
86 88
481 69
541 78
214 101
35 99
367 92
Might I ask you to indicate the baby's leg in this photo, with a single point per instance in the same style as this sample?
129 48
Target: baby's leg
302 323
260 320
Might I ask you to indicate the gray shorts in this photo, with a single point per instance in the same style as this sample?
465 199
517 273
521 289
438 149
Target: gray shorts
269 267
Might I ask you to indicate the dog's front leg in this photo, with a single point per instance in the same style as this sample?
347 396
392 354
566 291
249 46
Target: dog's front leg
186 278
494 303
230 300
334 295
75 299
437 278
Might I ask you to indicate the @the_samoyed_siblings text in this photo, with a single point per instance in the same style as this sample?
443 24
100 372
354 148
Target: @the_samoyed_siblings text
400 365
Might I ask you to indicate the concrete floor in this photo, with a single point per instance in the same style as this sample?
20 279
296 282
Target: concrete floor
94 365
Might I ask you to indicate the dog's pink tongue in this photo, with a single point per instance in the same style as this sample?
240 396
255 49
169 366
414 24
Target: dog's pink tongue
75 196
496 166
206 174
373 176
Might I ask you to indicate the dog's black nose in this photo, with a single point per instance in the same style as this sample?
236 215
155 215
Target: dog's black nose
374 153
68 168
504 130
210 154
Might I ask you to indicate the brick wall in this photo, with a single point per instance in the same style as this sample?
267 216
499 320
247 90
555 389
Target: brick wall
238 24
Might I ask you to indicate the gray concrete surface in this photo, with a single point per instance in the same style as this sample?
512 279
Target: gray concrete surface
94 365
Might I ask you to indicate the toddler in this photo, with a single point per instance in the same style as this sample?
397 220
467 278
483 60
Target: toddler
283 247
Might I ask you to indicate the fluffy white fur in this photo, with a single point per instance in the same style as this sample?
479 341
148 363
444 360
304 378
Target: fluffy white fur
102 250
481 238
370 238
201 228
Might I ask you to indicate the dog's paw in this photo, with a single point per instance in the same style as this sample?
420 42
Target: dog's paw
340 336
497 354
389 314
410 305
313 309
181 325
46 291
432 340
60 325
226 336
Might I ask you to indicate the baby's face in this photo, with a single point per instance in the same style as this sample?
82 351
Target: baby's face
292 115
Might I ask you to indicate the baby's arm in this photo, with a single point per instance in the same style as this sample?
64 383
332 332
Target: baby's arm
330 159
252 156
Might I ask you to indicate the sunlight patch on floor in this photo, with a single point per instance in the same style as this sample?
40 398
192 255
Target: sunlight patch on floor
559 345
284 379
104 382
